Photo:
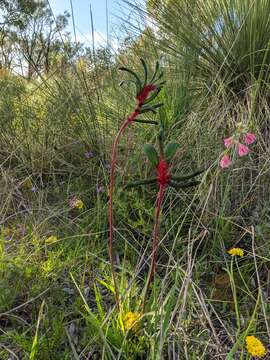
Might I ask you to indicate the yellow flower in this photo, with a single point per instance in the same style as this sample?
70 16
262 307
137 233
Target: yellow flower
236 252
77 204
51 239
48 266
131 319
255 347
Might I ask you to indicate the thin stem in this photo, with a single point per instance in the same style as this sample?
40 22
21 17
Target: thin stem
140 182
187 177
143 121
125 124
152 269
233 286
140 99
160 141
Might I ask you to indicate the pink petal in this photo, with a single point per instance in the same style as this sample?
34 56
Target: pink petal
249 138
228 142
242 149
225 162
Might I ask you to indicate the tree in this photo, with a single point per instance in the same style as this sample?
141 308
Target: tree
39 37
30 34
14 11
12 14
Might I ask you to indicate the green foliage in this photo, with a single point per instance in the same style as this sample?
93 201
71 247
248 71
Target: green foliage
151 154
223 42
170 150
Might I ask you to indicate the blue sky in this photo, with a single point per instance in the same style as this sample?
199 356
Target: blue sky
82 16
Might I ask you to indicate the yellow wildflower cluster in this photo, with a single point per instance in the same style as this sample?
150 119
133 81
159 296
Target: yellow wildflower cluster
236 252
131 319
47 266
51 239
77 204
255 347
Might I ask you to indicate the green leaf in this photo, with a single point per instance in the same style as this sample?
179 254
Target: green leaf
155 73
151 154
145 71
137 79
170 150
189 176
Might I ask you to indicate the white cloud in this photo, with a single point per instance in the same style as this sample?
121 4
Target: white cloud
100 40
87 38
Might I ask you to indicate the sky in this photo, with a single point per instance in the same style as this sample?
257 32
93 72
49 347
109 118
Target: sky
82 17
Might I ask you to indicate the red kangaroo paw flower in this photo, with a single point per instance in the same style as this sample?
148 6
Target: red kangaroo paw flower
143 95
163 175
163 178
132 116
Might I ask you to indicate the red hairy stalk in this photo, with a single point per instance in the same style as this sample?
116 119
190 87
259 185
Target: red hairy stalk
163 175
163 179
143 95
141 98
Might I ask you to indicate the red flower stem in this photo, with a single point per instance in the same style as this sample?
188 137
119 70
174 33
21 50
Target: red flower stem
125 124
152 269
140 98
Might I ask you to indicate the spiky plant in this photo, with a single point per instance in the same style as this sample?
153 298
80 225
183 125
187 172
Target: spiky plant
227 41
164 178
146 92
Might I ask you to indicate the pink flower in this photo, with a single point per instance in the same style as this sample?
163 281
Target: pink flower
228 142
225 161
242 149
249 138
